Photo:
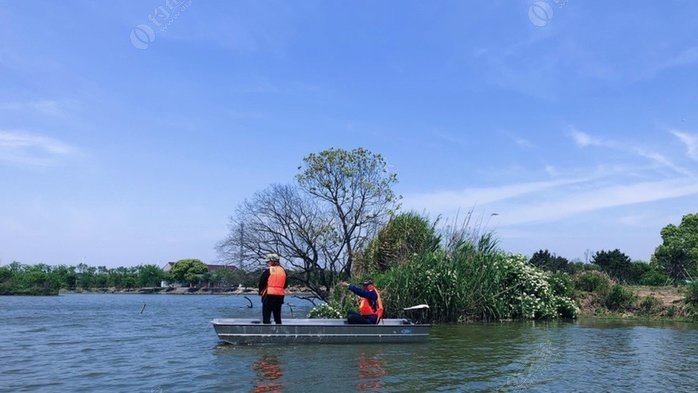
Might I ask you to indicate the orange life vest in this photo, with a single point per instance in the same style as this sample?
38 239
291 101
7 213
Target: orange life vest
276 281
365 308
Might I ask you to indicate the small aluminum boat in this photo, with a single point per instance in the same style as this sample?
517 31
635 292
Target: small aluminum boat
326 331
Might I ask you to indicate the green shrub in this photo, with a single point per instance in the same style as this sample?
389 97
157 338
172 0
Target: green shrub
561 284
654 278
475 282
671 311
649 305
592 281
692 293
619 298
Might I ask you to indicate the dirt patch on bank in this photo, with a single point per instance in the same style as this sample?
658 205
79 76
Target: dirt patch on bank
669 296
650 302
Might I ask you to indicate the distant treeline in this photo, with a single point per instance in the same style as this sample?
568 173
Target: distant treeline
41 279
614 263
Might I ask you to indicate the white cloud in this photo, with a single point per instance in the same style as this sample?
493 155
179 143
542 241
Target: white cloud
552 200
690 140
454 200
582 139
43 107
522 142
600 198
23 148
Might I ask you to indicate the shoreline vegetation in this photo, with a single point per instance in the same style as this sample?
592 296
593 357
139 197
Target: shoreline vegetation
461 273
656 303
290 291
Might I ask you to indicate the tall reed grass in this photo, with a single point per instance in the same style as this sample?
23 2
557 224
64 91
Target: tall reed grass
469 278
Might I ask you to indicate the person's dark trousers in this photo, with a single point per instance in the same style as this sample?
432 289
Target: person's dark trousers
356 318
271 304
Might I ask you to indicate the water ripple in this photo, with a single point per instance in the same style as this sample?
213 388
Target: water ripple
103 343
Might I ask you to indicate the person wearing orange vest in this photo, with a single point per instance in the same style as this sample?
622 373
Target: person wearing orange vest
370 305
272 288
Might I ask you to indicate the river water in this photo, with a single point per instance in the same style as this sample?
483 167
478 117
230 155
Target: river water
165 343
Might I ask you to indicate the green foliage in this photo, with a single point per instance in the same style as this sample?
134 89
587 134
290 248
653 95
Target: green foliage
692 293
543 259
471 279
529 294
561 284
18 279
678 254
149 276
326 311
592 281
637 270
321 224
649 305
615 263
357 186
619 298
654 277
404 236
188 270
43 279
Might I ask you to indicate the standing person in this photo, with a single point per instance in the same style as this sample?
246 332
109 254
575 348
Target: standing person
272 287
370 306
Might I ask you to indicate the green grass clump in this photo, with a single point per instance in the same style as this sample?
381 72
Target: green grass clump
619 298
649 305
592 281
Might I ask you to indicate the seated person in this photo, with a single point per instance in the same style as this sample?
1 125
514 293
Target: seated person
370 304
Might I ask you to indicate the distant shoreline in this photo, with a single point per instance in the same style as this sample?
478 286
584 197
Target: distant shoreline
291 291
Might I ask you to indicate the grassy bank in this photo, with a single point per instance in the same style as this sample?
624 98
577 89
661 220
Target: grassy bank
638 302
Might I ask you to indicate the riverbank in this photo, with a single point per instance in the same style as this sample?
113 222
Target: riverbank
291 291
644 302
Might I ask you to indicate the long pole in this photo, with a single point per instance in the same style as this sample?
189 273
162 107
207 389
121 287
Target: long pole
242 231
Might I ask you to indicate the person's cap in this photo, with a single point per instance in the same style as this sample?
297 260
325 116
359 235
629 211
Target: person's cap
368 281
273 257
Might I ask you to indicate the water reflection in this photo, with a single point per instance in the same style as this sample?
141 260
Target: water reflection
371 372
269 373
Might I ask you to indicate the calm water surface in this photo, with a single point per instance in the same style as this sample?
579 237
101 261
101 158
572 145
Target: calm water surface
111 343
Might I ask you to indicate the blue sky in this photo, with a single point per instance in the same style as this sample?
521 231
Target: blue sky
130 130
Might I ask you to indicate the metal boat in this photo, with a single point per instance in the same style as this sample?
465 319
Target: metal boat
326 331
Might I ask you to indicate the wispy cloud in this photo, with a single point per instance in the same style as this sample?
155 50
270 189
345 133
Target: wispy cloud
688 56
44 107
551 201
601 198
467 198
690 140
582 139
24 148
522 142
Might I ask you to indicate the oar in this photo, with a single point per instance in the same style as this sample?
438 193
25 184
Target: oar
420 307
417 307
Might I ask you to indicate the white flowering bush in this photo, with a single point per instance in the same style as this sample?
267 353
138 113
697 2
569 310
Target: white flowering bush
325 311
528 293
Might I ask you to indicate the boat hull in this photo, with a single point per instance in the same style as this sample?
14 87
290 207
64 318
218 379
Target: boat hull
319 331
